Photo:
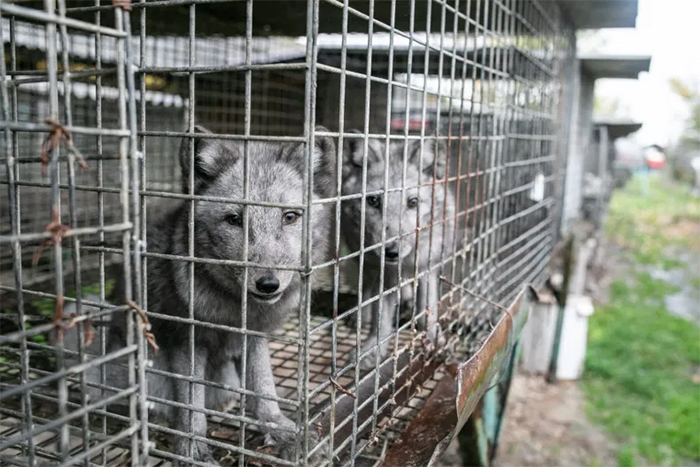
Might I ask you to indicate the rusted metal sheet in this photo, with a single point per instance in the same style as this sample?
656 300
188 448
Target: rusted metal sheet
477 374
430 427
458 393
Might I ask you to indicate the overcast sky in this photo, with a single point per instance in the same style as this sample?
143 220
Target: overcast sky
669 31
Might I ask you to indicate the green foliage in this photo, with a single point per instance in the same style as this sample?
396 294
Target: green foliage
45 307
648 227
691 95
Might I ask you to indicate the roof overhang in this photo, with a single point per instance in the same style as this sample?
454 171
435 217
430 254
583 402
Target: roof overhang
598 14
608 66
619 129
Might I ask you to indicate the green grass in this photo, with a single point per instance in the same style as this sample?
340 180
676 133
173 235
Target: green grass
648 226
45 307
641 360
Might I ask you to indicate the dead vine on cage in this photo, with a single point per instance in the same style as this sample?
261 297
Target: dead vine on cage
57 231
57 134
145 325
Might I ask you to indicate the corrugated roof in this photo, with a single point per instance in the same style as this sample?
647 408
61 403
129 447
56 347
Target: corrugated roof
168 51
89 91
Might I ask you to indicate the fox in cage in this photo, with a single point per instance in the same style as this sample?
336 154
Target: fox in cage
393 217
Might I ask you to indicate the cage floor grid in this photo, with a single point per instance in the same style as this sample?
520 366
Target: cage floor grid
284 359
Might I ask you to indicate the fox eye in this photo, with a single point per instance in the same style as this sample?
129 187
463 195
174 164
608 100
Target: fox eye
412 202
373 201
290 217
234 219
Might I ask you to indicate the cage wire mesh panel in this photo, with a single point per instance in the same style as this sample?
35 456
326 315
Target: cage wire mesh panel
253 232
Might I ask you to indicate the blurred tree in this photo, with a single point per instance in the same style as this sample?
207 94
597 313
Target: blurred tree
605 107
688 148
592 40
690 93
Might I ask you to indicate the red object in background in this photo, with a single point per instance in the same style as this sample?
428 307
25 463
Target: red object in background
656 160
656 164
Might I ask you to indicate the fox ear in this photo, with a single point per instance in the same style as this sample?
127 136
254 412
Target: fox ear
324 160
210 157
353 150
434 156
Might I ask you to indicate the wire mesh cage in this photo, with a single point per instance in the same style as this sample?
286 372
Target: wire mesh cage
253 232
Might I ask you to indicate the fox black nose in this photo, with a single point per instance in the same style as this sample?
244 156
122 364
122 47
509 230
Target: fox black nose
392 252
267 284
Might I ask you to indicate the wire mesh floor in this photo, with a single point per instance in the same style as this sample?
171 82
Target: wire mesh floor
285 367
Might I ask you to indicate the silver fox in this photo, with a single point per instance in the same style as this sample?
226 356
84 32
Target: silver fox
275 173
417 206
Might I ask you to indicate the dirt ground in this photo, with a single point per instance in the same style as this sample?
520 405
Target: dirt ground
546 425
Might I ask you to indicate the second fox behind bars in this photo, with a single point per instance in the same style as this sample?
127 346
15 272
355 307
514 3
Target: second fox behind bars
414 210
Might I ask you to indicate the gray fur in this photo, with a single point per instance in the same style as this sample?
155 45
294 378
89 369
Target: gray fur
399 216
275 175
